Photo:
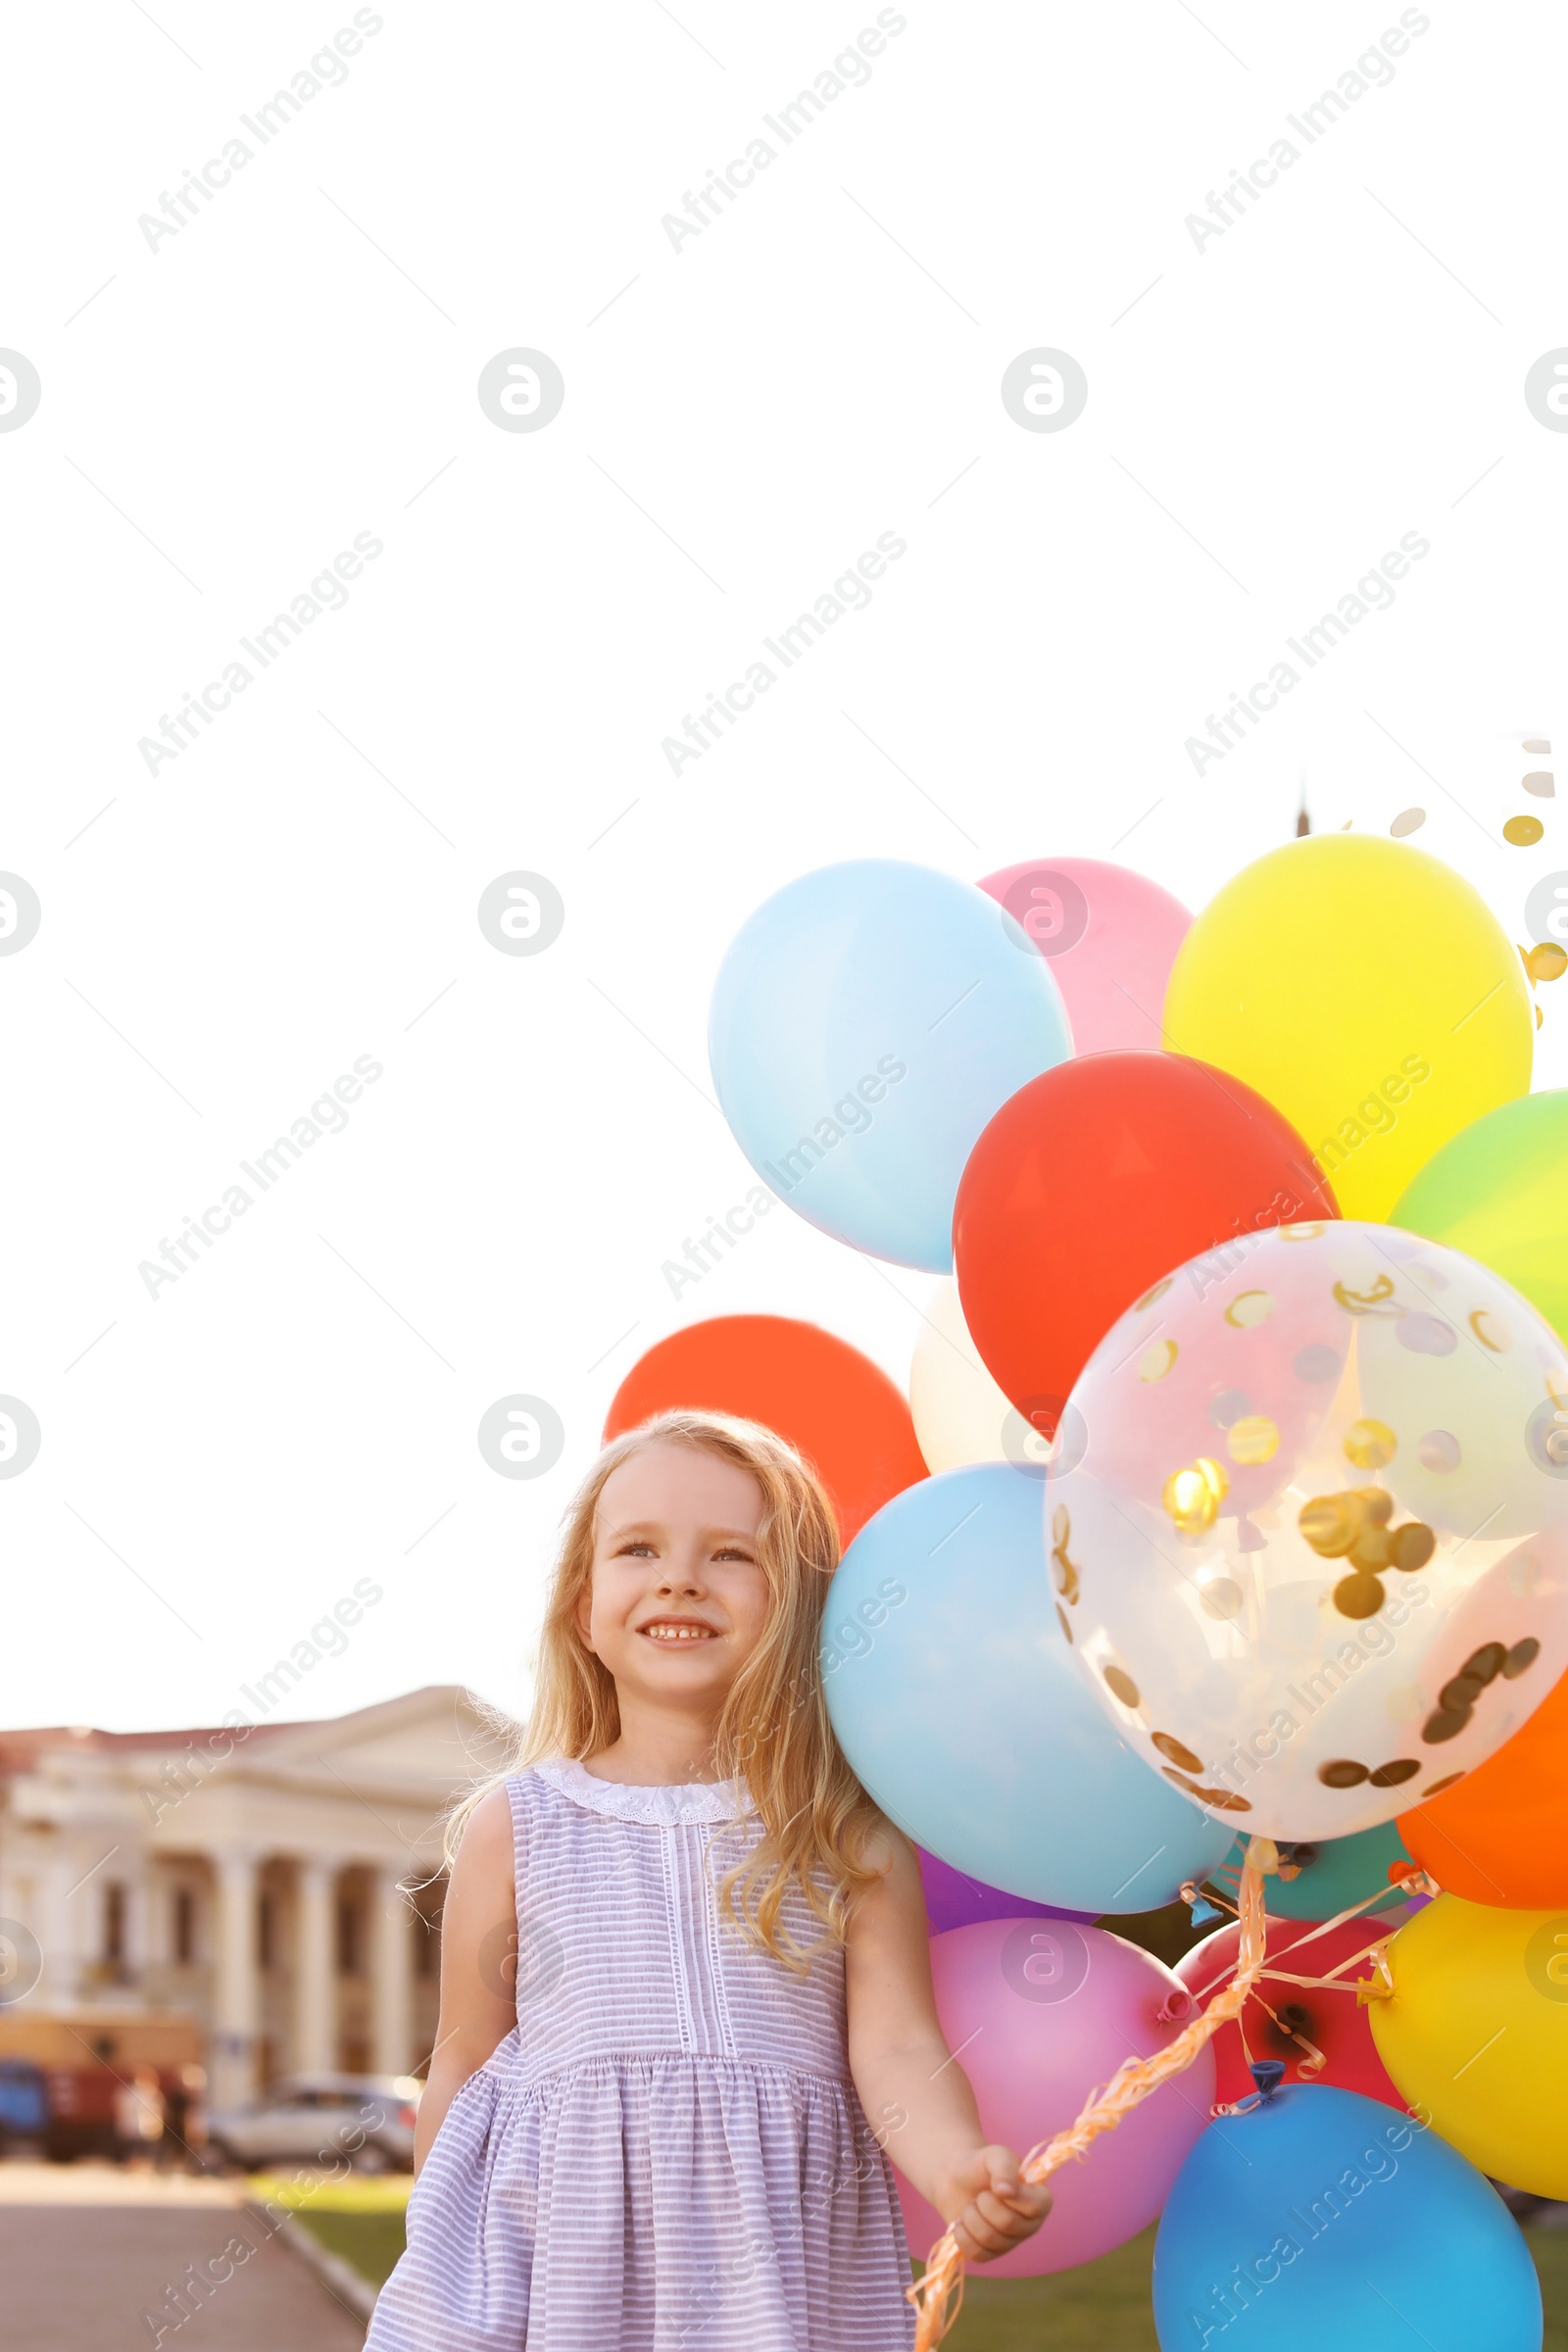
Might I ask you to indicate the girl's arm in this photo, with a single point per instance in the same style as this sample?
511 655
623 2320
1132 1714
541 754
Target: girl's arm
916 2097
478 1963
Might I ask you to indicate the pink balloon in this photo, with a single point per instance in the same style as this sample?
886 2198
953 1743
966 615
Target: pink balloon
1044 2011
1110 937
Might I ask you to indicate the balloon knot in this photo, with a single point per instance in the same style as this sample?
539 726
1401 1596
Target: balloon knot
1268 2073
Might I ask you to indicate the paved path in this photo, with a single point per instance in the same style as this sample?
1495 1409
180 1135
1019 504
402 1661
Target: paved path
86 2252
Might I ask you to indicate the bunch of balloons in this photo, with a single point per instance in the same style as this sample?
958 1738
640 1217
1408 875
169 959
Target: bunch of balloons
1229 1512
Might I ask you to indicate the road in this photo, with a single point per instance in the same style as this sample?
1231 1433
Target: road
96 2259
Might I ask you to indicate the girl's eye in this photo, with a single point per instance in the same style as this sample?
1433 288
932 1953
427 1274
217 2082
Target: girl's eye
733 1551
639 1545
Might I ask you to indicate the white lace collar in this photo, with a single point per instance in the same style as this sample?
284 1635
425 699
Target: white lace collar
695 1801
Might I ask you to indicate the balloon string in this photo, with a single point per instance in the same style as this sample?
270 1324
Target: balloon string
1416 1881
939 2293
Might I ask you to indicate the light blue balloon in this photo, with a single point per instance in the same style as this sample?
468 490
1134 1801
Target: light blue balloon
1338 1872
867 1022
955 1699
1322 2222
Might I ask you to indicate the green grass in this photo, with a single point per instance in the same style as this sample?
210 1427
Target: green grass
369 2243
1104 2306
1101 2307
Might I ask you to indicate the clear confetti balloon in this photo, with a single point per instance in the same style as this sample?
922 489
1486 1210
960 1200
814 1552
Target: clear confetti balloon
1310 1543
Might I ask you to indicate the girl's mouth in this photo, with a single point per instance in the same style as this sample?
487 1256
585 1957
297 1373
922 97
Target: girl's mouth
673 1630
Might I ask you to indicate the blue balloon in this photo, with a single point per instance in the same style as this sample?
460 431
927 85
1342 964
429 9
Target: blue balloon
955 1699
1321 2222
867 1022
1336 1873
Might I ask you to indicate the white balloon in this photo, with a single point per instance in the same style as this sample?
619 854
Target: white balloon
960 1415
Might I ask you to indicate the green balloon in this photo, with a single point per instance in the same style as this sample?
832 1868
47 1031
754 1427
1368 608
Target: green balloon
1498 1190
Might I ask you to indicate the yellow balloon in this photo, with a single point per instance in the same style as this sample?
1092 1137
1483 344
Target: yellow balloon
1367 991
1476 2036
959 1413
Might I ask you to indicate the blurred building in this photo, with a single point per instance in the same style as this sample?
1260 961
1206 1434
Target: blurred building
278 1882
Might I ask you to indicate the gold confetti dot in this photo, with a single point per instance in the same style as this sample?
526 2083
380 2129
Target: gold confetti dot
1370 1443
1408 820
1540 1016
1157 1359
1492 1331
1523 831
1364 1302
1331 1524
1193 1495
1158 1292
1174 1751
1222 1599
1248 1308
1548 961
1359 1594
1122 1686
1371 1548
1438 1786
1412 1547
1302 1233
1066 1570
1445 1723
1391 1776
1343 1773
1252 1439
1062 1620
1220 1798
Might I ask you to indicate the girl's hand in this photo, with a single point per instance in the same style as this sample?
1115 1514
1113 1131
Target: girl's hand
988 2208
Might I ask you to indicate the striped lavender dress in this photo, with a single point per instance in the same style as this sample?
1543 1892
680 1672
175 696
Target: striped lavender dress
667 2154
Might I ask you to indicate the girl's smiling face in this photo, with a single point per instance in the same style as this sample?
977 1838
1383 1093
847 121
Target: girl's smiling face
679 1597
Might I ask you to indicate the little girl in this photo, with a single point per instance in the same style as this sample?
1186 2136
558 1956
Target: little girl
683 1960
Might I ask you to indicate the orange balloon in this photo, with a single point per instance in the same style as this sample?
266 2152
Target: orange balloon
832 1403
1500 1835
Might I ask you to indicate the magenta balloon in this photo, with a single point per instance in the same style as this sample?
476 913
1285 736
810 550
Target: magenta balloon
1044 2011
1110 938
953 1901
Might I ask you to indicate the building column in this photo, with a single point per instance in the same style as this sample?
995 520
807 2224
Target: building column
314 1973
56 1931
391 1976
236 1985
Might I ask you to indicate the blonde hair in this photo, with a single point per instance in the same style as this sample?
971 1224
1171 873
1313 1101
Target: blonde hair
774 1730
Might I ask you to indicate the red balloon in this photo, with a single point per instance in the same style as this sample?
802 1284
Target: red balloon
1333 2021
829 1400
1092 1183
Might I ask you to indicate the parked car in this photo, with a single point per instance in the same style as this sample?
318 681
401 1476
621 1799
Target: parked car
322 2119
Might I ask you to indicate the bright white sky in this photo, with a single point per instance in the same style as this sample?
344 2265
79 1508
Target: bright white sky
1266 416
